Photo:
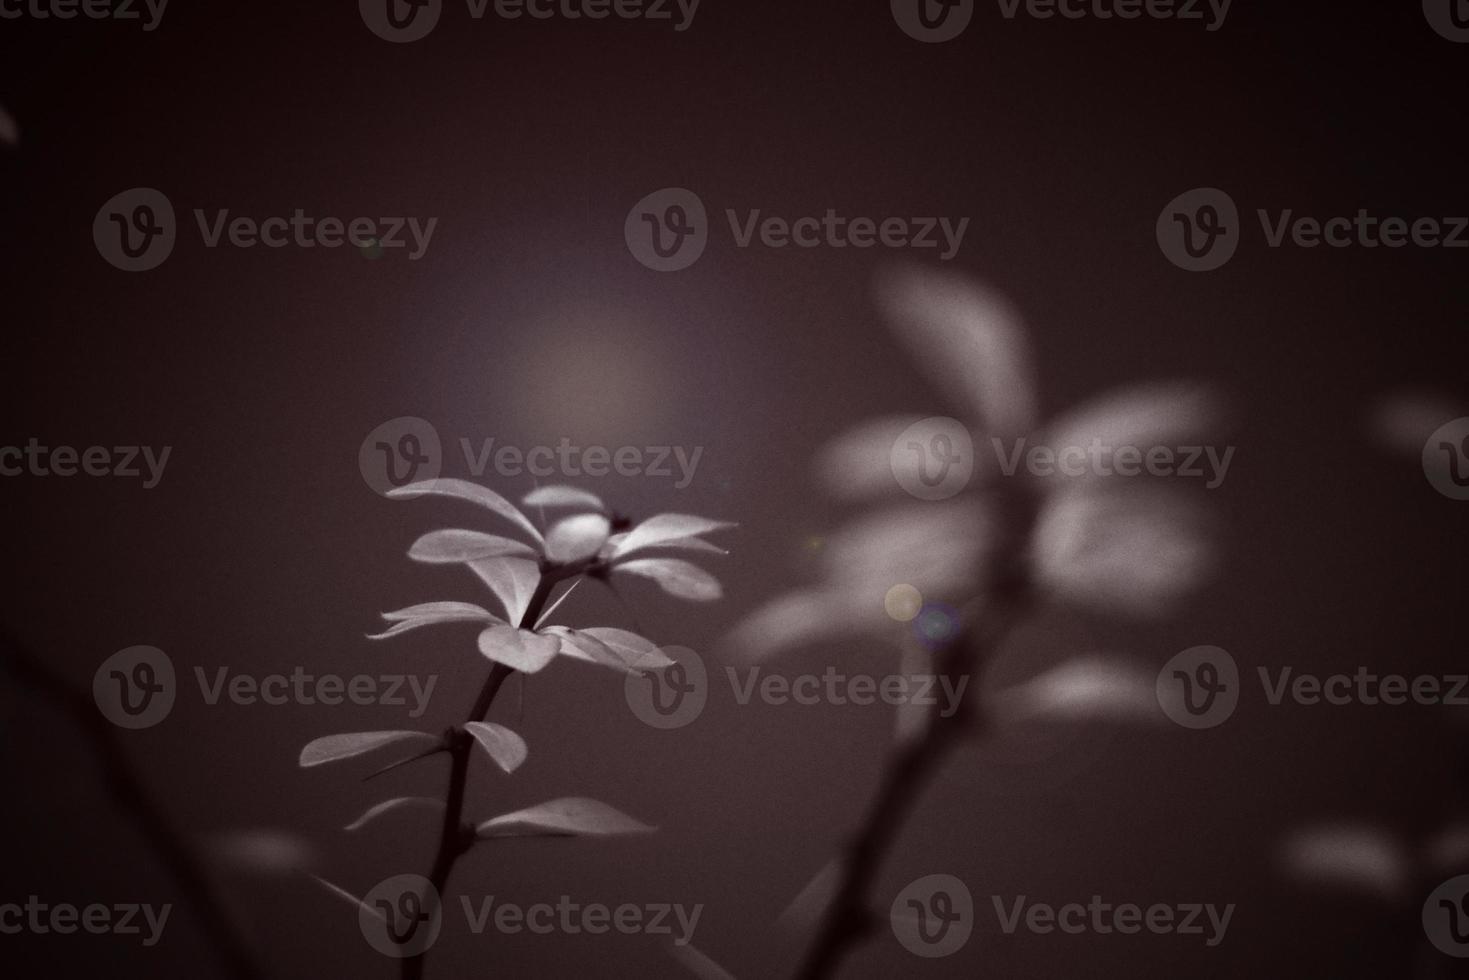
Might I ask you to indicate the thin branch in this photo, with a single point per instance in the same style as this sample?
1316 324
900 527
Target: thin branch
132 796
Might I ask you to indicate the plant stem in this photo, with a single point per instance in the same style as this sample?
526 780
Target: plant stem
131 795
848 918
456 837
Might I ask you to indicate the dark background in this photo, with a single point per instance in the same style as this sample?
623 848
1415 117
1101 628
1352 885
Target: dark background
528 320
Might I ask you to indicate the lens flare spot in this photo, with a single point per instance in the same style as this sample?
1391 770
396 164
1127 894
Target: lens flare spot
903 603
935 624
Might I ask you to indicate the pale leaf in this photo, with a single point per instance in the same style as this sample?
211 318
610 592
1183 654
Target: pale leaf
698 963
858 464
667 527
575 538
330 748
457 545
473 493
1361 858
637 652
573 816
519 649
676 577
506 748
1091 689
387 806
969 340
432 614
563 496
512 580
1145 417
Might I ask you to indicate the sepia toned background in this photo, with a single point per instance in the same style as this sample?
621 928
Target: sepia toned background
263 549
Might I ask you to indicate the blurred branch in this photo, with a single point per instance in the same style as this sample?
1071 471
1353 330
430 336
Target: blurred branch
132 796
848 918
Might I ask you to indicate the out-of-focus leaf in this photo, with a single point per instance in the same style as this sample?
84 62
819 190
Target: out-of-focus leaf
1402 421
676 577
969 340
9 129
506 748
858 464
933 546
1083 690
811 903
330 748
1366 859
457 545
520 649
636 652
1135 553
349 898
1143 417
562 496
387 806
473 493
698 963
512 580
432 614
575 538
572 816
796 618
664 528
262 851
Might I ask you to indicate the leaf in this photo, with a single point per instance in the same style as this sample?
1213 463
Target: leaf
572 816
520 649
697 963
506 748
512 580
637 652
1448 850
576 537
582 645
1143 417
389 805
563 496
859 463
811 903
1137 553
9 129
330 748
261 851
1364 858
969 340
1404 420
473 493
676 577
1083 690
458 545
663 528
796 618
934 546
349 898
432 614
